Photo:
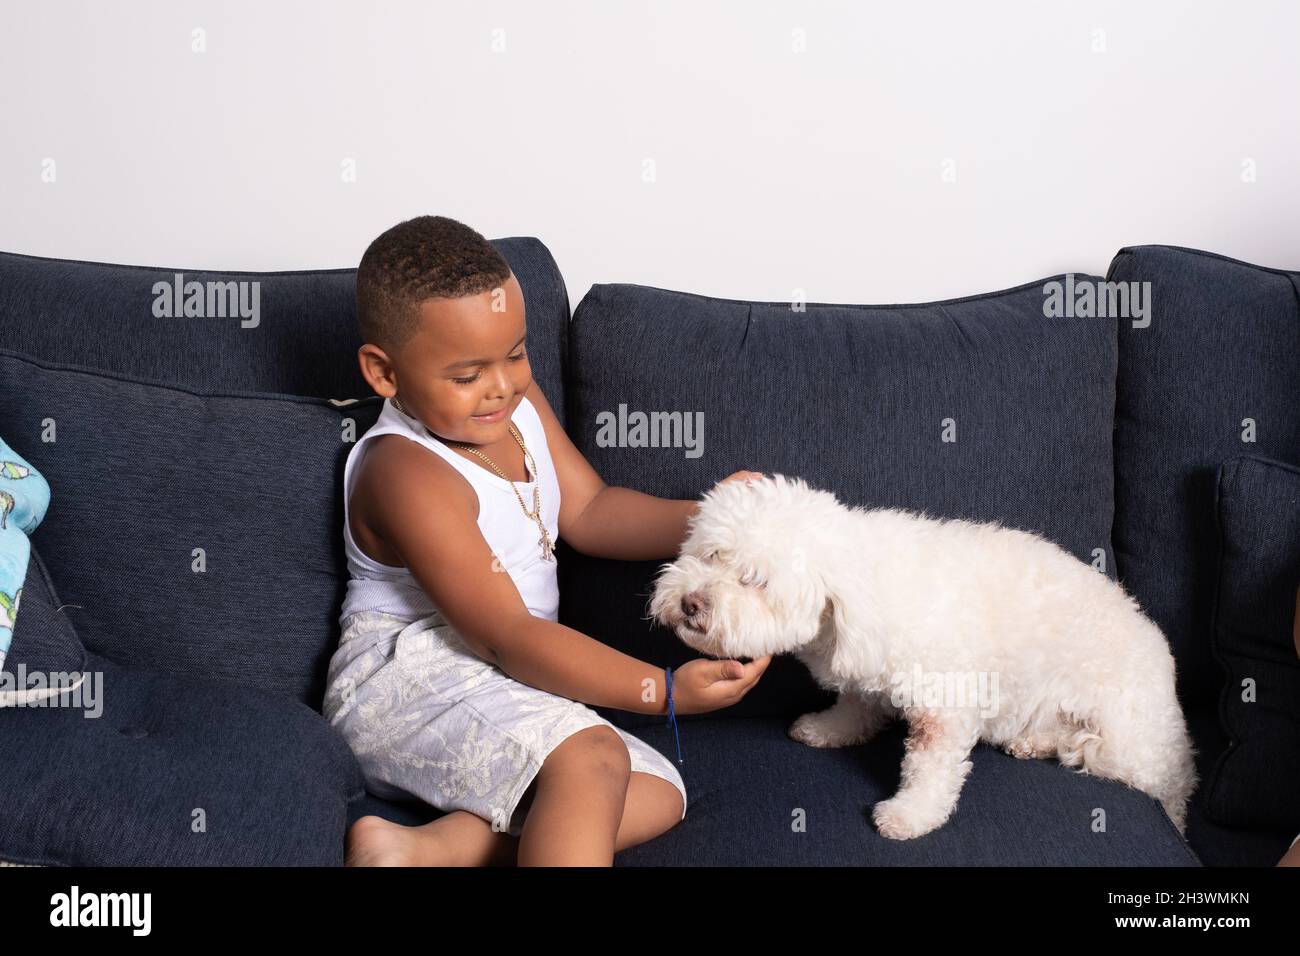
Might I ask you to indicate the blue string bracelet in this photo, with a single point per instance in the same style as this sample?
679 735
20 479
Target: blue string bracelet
672 712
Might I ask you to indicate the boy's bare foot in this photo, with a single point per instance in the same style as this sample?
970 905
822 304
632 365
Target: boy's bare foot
454 839
374 841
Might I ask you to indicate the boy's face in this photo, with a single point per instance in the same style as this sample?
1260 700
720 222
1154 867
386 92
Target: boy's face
467 359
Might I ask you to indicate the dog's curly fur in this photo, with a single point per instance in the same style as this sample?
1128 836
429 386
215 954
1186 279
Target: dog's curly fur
878 602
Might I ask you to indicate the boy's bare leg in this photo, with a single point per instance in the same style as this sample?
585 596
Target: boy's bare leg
652 806
577 808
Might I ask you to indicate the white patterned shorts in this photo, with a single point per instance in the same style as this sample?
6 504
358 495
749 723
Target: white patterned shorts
428 718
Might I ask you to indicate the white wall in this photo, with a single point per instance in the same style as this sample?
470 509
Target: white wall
775 169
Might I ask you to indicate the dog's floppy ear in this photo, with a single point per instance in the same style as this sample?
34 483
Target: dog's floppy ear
856 635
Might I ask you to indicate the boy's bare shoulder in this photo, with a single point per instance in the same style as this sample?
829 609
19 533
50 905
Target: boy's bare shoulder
424 513
396 476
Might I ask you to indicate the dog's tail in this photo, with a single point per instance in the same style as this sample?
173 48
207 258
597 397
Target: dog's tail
1136 735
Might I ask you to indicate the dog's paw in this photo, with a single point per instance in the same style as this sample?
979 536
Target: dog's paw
897 820
1034 748
815 731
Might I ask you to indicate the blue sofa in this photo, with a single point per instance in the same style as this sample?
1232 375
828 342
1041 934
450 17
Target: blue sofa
193 428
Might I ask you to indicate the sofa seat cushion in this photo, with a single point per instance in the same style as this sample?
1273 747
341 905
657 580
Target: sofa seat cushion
155 770
747 783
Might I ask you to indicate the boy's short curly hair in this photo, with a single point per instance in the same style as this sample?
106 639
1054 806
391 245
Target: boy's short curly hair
428 257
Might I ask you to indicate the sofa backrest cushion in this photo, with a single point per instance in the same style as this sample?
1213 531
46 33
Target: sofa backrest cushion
982 408
190 532
289 332
1256 780
1212 373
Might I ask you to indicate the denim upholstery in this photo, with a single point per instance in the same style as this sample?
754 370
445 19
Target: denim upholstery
304 342
210 519
143 768
1258 502
1222 347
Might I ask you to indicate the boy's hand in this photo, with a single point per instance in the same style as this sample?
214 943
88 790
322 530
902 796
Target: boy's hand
743 476
704 684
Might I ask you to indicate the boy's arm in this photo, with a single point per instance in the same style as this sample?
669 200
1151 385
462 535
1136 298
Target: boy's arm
604 521
428 515
628 525
566 662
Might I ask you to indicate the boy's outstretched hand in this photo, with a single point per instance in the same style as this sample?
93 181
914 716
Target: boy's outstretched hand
743 476
704 684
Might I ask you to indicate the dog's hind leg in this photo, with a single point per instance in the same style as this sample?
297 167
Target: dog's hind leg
1138 736
935 767
853 719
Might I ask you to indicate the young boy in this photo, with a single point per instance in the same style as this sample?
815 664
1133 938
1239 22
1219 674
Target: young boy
453 682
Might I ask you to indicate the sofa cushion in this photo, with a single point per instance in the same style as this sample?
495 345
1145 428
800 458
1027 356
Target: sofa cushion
1213 375
46 657
155 770
195 533
750 788
303 339
749 785
856 399
1256 781
1214 843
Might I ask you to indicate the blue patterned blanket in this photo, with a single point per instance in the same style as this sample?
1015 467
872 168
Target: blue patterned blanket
24 498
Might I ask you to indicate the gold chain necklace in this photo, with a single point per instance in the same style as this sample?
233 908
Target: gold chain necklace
536 513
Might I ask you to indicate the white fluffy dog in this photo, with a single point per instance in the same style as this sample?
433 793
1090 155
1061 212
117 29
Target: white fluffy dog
967 631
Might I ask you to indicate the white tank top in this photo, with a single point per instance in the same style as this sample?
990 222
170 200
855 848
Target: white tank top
513 537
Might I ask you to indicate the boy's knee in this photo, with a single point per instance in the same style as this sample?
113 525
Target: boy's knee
598 750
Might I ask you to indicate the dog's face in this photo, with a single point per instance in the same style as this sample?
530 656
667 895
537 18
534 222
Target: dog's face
747 582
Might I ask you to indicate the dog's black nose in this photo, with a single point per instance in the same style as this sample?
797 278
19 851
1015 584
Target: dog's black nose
692 604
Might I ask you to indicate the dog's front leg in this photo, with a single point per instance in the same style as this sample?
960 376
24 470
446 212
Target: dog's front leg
934 769
853 719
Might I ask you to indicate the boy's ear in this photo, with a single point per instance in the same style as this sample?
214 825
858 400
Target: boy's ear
376 369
